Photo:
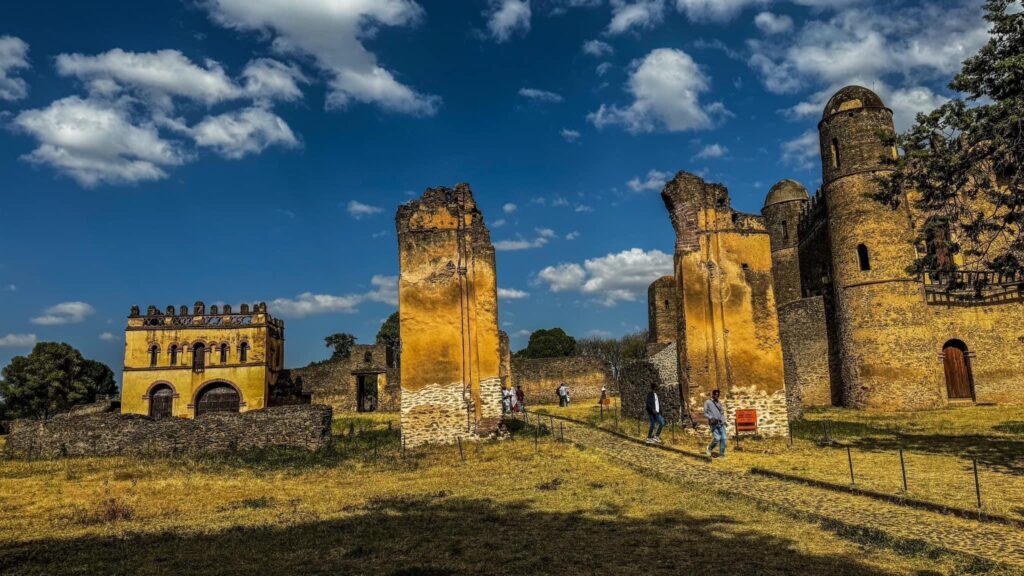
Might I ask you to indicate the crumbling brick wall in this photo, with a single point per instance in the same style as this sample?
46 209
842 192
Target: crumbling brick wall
539 377
335 383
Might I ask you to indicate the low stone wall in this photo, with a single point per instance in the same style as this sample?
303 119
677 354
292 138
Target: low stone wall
636 380
539 377
335 382
105 434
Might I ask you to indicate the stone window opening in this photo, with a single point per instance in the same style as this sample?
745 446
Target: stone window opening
154 355
174 355
367 357
863 258
835 153
785 230
223 353
745 266
666 304
243 352
198 357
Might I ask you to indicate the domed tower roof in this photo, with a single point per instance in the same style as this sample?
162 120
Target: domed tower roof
850 98
784 191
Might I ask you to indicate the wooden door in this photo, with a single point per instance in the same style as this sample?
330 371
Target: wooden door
161 403
218 398
958 371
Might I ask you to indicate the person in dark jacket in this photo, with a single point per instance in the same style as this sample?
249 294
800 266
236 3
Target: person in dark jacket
654 413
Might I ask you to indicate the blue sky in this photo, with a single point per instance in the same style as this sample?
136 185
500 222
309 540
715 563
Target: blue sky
245 150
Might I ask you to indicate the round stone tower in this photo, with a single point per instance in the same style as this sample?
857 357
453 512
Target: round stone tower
877 301
781 213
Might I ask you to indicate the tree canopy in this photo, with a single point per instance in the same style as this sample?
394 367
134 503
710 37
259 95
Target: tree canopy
51 379
961 163
549 343
389 333
617 352
342 342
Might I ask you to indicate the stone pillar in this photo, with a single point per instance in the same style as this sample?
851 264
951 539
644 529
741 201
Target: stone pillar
662 311
729 331
448 312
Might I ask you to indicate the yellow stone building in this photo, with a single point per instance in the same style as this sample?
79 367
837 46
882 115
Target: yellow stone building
186 363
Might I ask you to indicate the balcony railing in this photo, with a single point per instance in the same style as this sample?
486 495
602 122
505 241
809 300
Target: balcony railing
971 288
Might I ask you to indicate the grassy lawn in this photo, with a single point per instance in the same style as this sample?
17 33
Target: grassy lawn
938 447
364 509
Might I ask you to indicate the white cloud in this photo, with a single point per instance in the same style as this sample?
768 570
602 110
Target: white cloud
572 235
520 244
539 95
506 18
358 210
803 151
512 294
509 208
603 68
107 337
655 180
64 313
242 132
97 142
18 341
569 135
385 290
498 223
13 57
597 48
714 10
269 79
770 23
559 201
610 279
333 32
636 15
12 287
546 233
712 151
666 87
598 333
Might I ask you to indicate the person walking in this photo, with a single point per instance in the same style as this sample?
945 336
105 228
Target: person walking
520 398
715 414
563 395
506 400
653 408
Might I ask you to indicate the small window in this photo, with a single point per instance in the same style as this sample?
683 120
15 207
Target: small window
154 355
174 355
223 353
785 230
390 356
666 304
198 357
835 153
367 357
745 266
243 352
863 258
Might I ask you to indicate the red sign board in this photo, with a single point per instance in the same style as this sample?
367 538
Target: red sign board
746 420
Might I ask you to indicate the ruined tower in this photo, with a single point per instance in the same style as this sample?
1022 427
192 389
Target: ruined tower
451 384
729 332
782 208
662 311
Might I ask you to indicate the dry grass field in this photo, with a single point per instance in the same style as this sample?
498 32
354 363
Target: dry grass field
363 508
938 447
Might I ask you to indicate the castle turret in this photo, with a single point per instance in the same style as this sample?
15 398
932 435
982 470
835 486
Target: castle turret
782 209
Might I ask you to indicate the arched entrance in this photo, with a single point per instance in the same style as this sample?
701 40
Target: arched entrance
957 364
161 401
218 397
367 392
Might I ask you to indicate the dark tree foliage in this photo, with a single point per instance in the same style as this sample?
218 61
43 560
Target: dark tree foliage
617 352
551 343
342 343
51 379
961 163
389 333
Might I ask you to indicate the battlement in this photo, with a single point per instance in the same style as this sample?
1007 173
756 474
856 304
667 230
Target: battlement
199 315
813 214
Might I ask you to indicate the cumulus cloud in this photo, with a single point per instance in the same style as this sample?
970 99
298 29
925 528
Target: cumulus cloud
655 180
13 57
385 290
509 208
358 210
64 313
98 142
569 135
107 337
512 294
714 10
609 279
597 48
243 132
666 86
521 243
539 95
636 15
572 235
269 79
803 151
770 23
505 18
712 151
18 341
332 33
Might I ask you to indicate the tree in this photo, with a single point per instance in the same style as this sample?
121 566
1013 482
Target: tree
961 165
342 343
552 343
617 352
51 379
389 333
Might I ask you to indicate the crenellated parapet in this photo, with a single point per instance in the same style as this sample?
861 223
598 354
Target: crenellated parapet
201 316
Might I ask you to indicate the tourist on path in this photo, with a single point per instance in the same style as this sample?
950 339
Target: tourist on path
653 408
506 400
715 414
563 395
520 398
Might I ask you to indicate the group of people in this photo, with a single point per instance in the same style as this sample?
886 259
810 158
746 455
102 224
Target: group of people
513 401
713 411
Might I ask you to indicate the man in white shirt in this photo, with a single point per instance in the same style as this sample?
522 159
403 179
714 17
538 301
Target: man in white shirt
715 414
653 407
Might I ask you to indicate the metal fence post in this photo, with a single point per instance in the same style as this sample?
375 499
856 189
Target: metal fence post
977 484
536 438
903 469
790 422
849 458
561 431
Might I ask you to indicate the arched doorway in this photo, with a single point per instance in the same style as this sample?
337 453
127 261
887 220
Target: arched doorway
367 392
161 401
218 397
957 364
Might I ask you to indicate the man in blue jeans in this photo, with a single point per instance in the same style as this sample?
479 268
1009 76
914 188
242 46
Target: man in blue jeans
654 413
715 414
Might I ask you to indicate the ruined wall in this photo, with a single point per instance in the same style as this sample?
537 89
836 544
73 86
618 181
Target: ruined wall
540 376
505 368
805 351
662 311
335 383
451 384
730 332
661 368
306 427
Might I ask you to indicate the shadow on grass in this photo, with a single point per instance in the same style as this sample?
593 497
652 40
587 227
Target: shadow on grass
438 534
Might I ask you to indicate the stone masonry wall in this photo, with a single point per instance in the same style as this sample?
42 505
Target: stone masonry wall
805 352
305 426
335 382
662 311
661 369
540 376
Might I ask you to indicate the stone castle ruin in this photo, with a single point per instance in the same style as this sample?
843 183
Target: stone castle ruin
448 313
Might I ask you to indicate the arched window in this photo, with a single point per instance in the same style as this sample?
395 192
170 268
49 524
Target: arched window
174 355
223 353
198 357
835 153
243 352
863 258
785 230
666 304
367 357
154 354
